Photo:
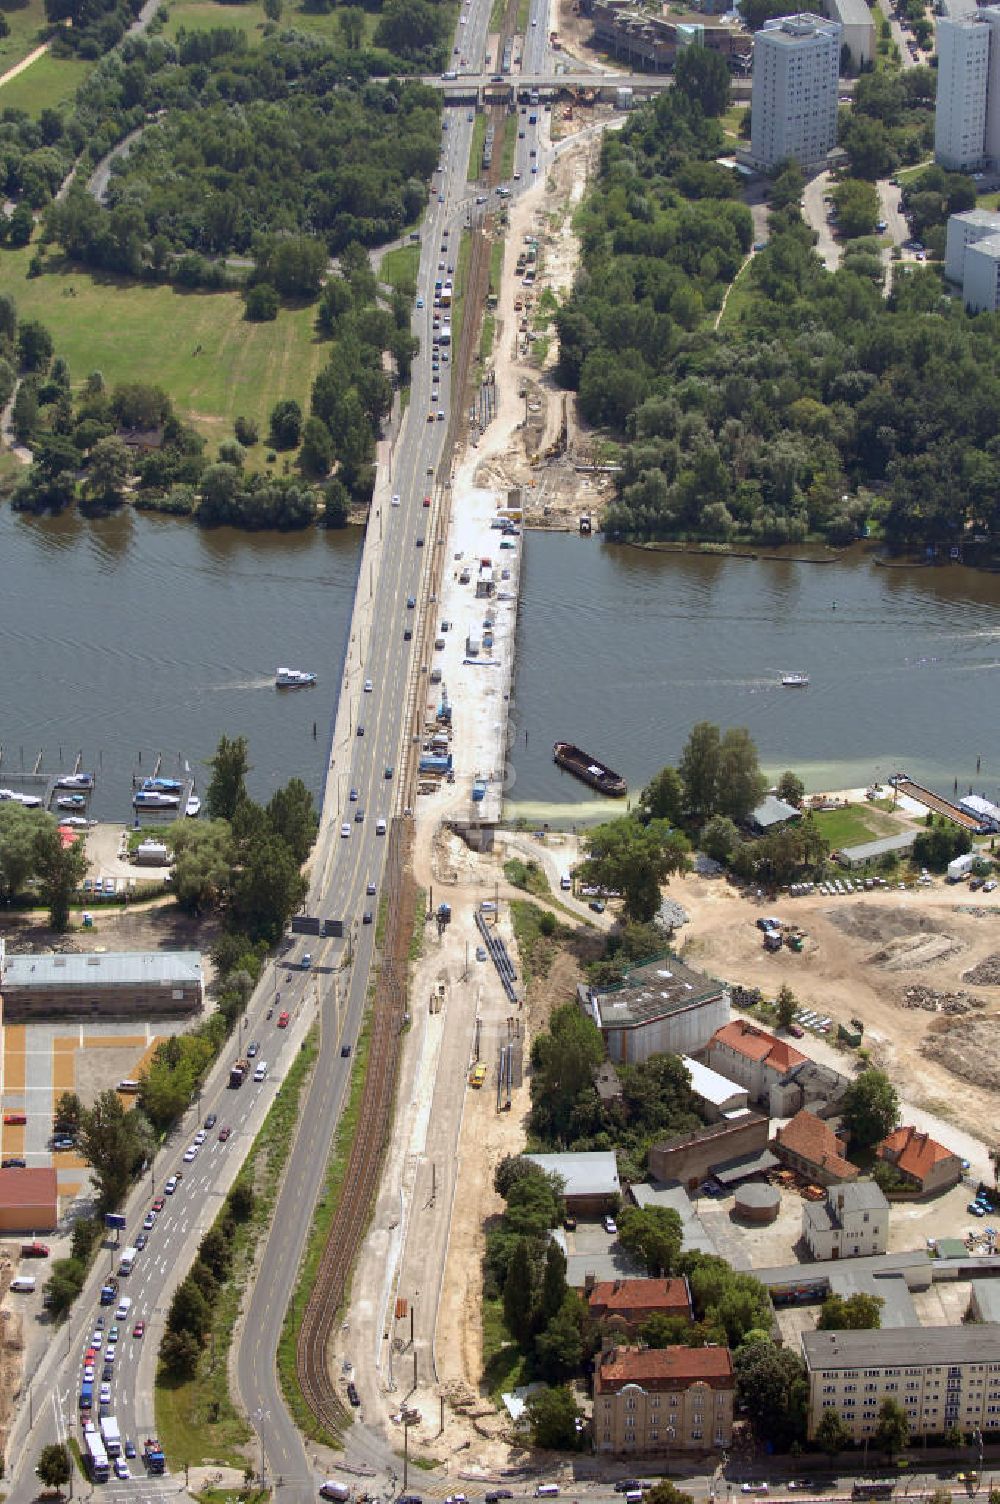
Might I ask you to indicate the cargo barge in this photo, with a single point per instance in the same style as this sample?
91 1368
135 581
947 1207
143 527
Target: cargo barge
582 766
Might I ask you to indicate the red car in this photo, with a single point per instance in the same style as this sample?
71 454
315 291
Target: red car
283 1020
159 1204
427 501
139 1329
224 1134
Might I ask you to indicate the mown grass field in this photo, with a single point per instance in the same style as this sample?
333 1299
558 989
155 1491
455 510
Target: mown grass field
202 15
27 24
855 825
400 266
49 83
196 346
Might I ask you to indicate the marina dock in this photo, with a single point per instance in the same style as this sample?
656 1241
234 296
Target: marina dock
934 802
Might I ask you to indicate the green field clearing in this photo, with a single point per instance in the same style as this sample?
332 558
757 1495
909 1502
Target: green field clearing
27 30
855 825
49 83
202 15
400 266
135 332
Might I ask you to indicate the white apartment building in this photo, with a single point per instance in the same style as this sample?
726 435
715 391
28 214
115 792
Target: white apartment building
796 64
981 283
942 1376
965 230
967 114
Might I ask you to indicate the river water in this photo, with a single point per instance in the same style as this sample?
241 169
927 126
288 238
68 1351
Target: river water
137 635
622 650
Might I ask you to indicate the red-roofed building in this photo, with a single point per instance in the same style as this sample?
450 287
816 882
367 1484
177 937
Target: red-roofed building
920 1159
811 1147
752 1057
663 1399
627 1303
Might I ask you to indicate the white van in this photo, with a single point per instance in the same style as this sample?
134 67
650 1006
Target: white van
124 1306
380 827
260 1074
24 1283
565 882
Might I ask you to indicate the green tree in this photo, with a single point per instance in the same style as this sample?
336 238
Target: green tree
791 788
86 1233
67 1114
293 817
179 1354
663 797
351 19
559 1345
563 1062
114 1143
652 1235
741 784
518 1293
699 770
726 1298
227 788
189 1311
893 1430
246 431
534 1204
60 870
286 424
34 346
18 847
316 455
771 1384
261 304
634 859
272 10
267 888
871 1108
336 503
786 1004
703 76
857 207
719 838
54 1467
203 862
855 1313
64 1284
833 1435
553 1292
553 1415
107 472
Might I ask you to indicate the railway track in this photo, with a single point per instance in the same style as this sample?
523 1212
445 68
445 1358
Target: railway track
370 1141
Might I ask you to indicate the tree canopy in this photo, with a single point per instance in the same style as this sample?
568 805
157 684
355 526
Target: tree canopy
871 1108
633 859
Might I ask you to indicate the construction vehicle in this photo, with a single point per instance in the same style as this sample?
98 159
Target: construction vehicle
238 1072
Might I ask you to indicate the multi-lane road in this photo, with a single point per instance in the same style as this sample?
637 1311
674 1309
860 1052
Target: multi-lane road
380 677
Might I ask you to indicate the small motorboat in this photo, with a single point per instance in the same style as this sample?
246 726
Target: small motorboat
193 807
75 781
795 681
153 799
71 801
293 678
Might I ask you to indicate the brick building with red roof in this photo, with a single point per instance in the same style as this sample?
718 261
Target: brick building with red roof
811 1147
663 1399
629 1302
920 1159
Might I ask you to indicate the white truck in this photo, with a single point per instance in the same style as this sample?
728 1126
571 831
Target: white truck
960 867
112 1436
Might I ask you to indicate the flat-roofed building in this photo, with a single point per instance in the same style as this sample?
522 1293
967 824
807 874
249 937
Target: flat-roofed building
29 1200
943 1377
590 1180
691 1157
116 983
665 1399
719 1097
966 229
858 25
793 111
870 853
662 1008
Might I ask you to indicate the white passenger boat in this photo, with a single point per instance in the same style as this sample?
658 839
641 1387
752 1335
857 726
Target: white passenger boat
795 681
293 678
153 799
